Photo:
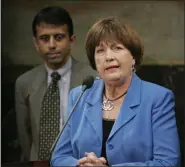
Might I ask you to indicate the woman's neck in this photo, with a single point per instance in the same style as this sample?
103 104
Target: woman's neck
115 90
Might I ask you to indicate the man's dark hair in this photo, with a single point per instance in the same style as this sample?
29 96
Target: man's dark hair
53 15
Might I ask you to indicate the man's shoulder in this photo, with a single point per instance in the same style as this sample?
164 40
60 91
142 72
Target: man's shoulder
31 74
82 67
79 64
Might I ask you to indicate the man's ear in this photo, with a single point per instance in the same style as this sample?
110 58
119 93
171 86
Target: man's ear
73 38
35 43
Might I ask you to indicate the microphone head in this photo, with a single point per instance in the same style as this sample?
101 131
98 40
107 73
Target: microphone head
87 82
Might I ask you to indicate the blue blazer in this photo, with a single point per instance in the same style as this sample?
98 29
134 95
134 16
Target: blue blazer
144 133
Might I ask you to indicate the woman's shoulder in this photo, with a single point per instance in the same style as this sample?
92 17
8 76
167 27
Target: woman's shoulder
155 89
75 92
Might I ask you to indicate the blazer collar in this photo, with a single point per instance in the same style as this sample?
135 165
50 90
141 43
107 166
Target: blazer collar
134 91
40 79
127 112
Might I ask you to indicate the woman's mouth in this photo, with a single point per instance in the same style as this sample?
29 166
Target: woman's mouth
112 68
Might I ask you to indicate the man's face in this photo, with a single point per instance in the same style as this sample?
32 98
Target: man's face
53 44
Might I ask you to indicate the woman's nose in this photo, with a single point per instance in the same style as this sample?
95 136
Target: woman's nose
109 55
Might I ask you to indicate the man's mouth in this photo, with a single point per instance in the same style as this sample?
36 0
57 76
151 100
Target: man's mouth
53 54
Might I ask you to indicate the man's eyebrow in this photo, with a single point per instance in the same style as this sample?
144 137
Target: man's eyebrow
63 34
42 35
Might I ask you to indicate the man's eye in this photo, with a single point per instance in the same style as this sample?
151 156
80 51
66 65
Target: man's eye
44 38
59 37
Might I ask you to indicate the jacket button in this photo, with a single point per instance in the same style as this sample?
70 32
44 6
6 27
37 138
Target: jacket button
110 146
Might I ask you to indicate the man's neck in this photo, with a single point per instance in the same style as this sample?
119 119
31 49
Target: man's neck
55 67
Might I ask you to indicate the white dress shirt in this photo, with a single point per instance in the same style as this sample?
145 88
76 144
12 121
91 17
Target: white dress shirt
64 87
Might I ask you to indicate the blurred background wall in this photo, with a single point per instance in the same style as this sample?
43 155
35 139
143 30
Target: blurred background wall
159 23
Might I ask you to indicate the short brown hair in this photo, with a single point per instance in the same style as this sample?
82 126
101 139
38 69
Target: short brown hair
112 29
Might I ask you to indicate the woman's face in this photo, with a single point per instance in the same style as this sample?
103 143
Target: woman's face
113 61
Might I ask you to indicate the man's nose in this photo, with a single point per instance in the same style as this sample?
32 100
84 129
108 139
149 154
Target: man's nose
52 43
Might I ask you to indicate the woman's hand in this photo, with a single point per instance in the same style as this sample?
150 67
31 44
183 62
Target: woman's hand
84 162
92 160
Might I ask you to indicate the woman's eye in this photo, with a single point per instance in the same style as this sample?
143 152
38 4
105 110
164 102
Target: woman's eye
99 51
117 48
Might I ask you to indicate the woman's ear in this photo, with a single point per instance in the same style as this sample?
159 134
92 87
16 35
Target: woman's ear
133 62
133 65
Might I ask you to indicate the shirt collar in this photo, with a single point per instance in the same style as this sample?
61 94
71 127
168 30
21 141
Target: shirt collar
63 70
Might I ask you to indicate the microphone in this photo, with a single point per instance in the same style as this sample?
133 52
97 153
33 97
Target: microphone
86 84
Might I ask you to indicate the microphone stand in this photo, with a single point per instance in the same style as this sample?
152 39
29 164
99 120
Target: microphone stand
84 87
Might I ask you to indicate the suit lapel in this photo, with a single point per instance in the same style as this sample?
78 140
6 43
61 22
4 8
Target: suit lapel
39 87
127 112
94 116
76 75
94 109
73 73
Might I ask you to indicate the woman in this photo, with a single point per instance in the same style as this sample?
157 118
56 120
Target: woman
121 120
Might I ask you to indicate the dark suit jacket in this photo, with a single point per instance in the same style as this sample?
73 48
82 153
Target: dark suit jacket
144 133
29 92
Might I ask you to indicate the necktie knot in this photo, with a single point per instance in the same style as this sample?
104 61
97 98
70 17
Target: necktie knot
55 76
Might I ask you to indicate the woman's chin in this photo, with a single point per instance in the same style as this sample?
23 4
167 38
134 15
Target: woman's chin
113 78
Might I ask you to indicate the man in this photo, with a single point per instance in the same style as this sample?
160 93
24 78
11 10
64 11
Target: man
42 93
